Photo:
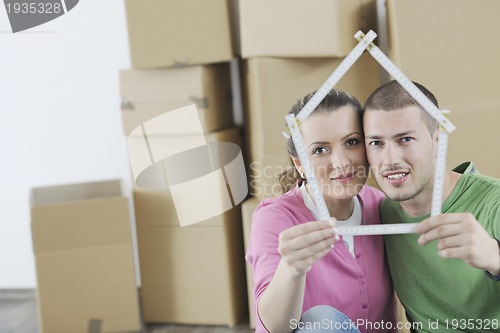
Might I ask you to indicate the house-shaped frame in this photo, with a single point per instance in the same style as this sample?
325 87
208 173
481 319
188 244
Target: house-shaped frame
446 127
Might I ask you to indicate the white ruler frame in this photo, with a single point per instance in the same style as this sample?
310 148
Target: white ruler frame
446 127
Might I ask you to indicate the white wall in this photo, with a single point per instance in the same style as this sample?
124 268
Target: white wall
59 116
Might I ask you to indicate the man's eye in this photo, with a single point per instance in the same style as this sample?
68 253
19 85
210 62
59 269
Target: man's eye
375 143
406 139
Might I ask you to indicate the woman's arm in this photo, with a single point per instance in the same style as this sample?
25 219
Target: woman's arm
300 247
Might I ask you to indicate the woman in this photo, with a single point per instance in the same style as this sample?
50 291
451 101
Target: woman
305 278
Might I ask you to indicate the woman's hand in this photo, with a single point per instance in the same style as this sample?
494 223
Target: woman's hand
302 245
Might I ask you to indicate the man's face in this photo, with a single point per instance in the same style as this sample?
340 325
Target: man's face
401 153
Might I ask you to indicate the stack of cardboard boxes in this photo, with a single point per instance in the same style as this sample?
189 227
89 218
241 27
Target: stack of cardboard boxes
452 55
84 259
180 52
287 54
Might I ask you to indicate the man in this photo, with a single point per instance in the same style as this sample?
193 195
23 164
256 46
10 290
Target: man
446 276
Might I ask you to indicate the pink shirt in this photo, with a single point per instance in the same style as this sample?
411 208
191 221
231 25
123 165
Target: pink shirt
359 286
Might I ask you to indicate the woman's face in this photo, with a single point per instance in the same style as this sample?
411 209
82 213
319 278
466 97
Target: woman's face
335 145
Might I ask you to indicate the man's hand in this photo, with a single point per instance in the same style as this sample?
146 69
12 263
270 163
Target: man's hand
461 237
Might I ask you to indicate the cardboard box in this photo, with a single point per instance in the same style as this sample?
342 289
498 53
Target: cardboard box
401 317
150 93
296 28
452 54
213 174
169 145
190 275
454 57
84 259
274 85
476 137
370 181
170 33
234 21
264 175
247 209
193 274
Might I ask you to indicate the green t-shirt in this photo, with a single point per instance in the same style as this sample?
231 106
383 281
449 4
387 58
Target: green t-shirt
447 295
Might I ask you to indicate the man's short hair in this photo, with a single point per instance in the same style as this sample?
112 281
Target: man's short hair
392 96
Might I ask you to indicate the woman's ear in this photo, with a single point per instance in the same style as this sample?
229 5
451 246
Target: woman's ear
298 166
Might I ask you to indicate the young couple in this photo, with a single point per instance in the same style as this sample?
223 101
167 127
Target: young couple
309 279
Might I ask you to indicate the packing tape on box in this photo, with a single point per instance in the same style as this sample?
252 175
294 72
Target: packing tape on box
94 326
204 179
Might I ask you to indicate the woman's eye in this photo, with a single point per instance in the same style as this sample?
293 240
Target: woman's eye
375 143
319 150
352 142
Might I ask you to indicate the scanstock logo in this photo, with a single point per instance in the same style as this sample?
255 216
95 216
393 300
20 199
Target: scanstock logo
26 14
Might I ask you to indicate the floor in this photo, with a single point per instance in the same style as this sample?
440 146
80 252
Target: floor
18 314
18 311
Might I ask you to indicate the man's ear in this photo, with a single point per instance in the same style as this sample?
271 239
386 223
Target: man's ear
435 139
435 136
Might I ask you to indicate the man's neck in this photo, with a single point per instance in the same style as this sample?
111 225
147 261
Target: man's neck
421 205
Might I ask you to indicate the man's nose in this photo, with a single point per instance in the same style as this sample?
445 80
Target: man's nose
392 155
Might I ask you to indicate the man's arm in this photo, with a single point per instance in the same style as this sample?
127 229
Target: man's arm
495 276
460 236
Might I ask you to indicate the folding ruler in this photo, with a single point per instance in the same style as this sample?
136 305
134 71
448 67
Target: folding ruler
446 127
